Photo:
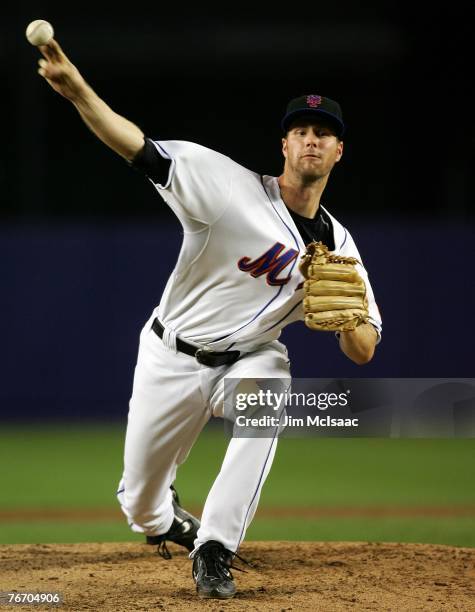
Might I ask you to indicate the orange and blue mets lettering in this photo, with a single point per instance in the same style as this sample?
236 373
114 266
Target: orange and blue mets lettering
271 263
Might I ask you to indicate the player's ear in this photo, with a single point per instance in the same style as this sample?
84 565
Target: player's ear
284 147
339 150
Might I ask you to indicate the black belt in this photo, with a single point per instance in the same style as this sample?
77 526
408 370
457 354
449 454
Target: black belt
203 355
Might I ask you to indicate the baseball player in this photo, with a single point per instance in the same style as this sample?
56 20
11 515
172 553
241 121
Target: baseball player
236 284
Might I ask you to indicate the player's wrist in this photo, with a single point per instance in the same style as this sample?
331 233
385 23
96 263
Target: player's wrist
79 92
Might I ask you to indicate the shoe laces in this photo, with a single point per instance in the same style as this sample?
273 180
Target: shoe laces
243 560
214 558
163 551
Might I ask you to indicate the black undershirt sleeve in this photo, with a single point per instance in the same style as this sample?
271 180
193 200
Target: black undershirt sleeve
149 161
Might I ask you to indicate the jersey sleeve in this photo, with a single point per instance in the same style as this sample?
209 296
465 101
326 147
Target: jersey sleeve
348 249
199 182
149 161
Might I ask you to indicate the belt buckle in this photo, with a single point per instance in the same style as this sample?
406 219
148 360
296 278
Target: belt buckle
214 359
203 356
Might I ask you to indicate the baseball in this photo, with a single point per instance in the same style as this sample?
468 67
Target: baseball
39 32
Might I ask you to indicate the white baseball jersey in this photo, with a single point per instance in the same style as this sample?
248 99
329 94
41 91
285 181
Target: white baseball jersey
236 283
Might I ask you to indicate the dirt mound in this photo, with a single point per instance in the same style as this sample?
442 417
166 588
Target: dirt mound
286 576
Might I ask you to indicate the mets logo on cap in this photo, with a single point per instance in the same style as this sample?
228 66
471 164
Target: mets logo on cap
314 101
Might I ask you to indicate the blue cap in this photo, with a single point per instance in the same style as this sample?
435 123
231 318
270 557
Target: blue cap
314 105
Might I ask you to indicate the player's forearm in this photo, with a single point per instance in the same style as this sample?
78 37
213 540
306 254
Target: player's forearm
359 345
121 135
117 132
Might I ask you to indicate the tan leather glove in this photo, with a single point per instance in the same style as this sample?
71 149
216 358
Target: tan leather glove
335 294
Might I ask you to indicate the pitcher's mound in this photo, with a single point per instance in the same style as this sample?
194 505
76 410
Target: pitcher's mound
286 576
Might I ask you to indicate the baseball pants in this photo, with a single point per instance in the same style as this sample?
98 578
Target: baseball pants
173 398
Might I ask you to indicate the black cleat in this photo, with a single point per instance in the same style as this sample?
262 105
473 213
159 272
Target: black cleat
183 531
211 571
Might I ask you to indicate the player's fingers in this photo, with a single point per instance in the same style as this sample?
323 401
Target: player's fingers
46 52
50 71
42 72
52 51
56 49
44 68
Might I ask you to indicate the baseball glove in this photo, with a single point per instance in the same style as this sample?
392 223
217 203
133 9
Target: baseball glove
335 294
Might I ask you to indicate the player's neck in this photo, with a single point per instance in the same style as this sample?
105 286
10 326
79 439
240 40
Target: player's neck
304 199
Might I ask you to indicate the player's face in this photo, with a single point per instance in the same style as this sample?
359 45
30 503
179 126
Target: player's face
311 149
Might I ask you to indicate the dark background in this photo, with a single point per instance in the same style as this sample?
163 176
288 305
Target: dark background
86 245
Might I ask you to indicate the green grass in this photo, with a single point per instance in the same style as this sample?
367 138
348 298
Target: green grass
456 532
459 532
79 466
373 471
58 532
60 466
